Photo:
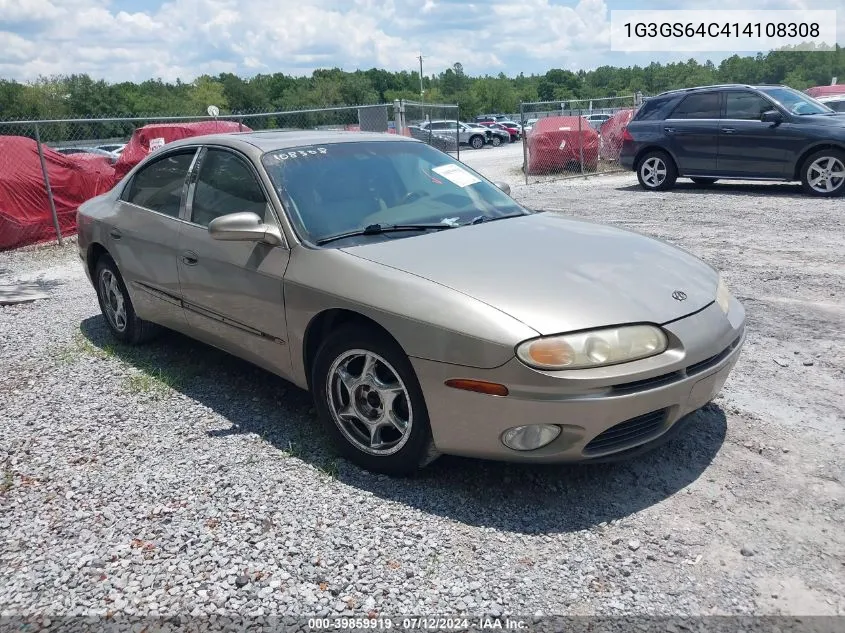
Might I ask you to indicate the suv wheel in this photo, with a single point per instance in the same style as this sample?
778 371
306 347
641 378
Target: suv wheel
656 171
823 173
477 142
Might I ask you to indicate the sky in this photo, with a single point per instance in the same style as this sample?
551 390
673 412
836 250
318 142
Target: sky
134 40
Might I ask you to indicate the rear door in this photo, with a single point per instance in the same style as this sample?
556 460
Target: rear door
747 146
692 132
232 291
144 236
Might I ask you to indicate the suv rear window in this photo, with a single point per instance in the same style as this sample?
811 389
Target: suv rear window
704 105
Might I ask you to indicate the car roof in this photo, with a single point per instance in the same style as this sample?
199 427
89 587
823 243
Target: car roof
718 87
270 140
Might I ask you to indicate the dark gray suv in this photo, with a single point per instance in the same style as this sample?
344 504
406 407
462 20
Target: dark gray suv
737 132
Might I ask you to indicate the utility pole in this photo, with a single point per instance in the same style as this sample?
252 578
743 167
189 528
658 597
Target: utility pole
422 92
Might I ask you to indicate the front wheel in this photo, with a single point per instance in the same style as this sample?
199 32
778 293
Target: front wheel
477 142
823 173
370 402
656 171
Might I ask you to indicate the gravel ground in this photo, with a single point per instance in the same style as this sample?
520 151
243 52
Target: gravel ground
175 479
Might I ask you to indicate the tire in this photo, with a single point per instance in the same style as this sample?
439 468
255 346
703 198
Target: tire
116 305
656 171
823 173
704 181
477 142
496 141
345 353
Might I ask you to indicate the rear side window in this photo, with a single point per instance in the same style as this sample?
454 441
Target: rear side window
158 186
698 106
652 110
746 106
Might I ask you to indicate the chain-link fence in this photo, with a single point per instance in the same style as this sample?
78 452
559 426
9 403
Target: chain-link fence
49 167
574 138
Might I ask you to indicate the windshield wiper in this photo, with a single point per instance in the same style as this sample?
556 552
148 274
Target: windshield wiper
376 229
483 218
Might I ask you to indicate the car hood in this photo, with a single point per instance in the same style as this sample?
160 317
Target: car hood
556 274
825 120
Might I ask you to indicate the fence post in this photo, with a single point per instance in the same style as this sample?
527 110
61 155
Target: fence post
581 140
47 186
458 129
524 141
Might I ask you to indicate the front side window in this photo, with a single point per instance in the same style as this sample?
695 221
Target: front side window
225 184
698 106
340 187
746 106
158 185
796 102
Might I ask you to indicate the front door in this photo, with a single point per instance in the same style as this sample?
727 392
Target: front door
692 133
232 291
144 237
750 148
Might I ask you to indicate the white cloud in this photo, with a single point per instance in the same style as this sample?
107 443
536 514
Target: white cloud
185 38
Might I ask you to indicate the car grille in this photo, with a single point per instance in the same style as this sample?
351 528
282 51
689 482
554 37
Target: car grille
627 434
667 379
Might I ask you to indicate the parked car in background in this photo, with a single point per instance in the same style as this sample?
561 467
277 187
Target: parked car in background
114 148
440 141
596 119
500 134
737 132
476 136
426 311
529 123
67 151
835 102
610 134
561 143
513 133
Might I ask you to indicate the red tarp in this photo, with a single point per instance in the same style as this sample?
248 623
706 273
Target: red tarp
162 133
25 216
556 143
826 91
611 134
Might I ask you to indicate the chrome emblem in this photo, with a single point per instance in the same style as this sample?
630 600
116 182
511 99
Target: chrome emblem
679 295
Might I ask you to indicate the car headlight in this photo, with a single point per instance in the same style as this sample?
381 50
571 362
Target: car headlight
593 348
723 295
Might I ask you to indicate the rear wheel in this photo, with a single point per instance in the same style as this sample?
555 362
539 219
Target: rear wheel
370 402
656 171
703 181
496 141
116 305
823 173
477 142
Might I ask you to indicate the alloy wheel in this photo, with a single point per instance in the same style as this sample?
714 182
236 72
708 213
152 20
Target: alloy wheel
826 174
369 402
113 300
653 171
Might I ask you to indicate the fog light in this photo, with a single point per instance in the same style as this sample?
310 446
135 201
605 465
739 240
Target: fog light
530 437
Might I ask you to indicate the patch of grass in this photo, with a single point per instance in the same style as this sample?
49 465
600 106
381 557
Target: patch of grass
329 468
7 480
157 381
294 449
79 346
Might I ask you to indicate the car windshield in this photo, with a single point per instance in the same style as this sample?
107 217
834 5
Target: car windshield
335 188
796 102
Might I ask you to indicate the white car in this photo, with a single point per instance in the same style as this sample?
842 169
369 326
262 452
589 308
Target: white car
834 102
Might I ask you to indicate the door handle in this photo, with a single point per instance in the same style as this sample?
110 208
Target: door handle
189 258
669 129
728 130
115 234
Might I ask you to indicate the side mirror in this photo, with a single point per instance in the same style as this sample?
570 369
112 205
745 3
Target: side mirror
244 227
771 116
503 186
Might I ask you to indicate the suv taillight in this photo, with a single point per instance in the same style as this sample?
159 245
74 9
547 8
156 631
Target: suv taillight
626 135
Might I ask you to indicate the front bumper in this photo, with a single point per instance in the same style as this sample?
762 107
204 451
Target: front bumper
602 412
